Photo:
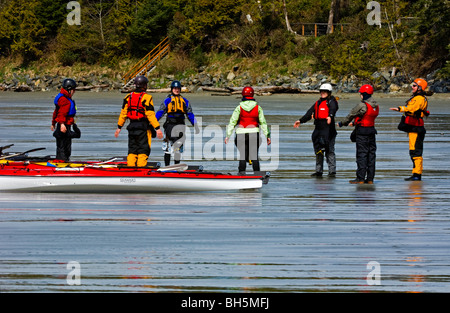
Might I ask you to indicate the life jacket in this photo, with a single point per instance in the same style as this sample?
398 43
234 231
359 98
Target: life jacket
416 118
249 118
136 110
176 105
368 119
321 110
73 107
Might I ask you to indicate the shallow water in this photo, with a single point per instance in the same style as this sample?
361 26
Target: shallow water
296 234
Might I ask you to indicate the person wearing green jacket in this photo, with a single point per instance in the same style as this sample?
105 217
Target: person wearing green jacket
249 118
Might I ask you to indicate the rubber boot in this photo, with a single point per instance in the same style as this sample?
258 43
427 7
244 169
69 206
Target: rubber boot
414 177
166 159
255 165
242 167
142 160
132 159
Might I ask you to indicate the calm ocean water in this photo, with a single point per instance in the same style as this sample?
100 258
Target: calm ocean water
296 234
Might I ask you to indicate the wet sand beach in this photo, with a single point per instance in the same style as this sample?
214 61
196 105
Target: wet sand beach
296 234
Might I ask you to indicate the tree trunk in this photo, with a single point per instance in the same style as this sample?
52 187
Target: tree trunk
333 12
288 25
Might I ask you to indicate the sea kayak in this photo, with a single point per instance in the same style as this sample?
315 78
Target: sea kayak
96 177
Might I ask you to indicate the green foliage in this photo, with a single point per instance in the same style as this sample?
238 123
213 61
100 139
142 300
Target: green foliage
208 17
102 35
20 30
150 25
113 30
51 14
415 45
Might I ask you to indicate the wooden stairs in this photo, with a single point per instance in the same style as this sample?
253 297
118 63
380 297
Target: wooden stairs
147 63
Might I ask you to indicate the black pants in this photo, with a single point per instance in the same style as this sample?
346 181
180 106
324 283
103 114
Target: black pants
248 147
324 138
366 148
175 136
138 142
64 141
63 148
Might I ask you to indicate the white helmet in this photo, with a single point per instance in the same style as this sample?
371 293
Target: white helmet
326 87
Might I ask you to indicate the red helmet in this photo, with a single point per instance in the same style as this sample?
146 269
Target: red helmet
366 89
248 92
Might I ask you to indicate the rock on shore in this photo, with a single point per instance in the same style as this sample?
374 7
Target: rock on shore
383 81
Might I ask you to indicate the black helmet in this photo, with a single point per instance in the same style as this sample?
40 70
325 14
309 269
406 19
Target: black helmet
141 81
69 84
175 84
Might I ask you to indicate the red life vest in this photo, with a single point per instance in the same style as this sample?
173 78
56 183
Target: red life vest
368 119
414 121
321 110
416 118
249 119
136 110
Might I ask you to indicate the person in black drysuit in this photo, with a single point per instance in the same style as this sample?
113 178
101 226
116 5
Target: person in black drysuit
363 116
324 134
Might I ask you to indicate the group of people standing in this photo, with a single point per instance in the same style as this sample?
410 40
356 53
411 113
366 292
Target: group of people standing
362 117
247 120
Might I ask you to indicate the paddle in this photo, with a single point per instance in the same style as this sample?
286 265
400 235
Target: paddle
5 147
20 153
175 167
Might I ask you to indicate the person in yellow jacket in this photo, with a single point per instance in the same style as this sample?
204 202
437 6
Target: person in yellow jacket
138 108
414 111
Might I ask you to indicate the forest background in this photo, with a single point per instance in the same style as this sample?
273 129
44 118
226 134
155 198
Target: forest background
260 37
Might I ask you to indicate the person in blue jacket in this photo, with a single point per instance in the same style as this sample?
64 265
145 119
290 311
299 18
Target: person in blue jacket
177 109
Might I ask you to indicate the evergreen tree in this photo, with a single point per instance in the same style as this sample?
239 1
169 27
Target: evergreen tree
150 25
21 32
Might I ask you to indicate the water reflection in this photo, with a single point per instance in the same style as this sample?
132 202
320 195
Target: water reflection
415 201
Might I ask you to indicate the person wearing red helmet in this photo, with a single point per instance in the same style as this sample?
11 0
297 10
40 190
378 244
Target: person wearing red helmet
363 116
415 110
248 116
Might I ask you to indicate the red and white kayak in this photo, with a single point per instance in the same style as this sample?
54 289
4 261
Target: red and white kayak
100 177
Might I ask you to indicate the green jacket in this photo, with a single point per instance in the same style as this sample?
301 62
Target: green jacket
247 105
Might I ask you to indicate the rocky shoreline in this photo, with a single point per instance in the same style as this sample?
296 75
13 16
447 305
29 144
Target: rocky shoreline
222 84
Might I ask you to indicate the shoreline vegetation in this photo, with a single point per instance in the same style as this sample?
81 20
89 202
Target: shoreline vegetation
275 46
220 82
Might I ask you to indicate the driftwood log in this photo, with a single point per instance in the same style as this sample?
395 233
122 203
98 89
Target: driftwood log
217 91
260 90
23 88
86 88
160 90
